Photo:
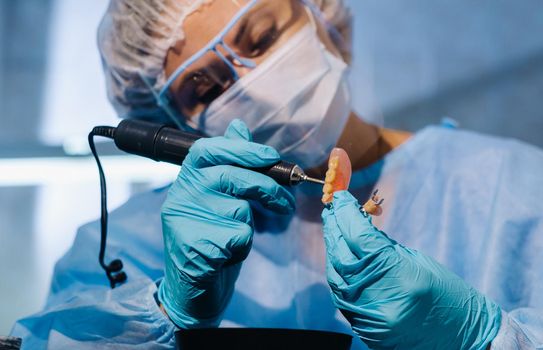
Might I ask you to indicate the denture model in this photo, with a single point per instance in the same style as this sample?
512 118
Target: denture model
338 175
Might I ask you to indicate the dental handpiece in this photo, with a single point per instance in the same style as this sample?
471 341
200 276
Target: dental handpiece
166 144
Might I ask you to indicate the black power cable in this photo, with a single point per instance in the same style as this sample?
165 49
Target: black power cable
113 270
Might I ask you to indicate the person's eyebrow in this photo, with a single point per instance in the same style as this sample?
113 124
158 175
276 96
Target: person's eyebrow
190 75
255 12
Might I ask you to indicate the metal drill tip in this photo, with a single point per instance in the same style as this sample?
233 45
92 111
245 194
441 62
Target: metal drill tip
312 179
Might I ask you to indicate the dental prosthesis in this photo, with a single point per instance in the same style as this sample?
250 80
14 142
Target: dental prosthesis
338 178
338 175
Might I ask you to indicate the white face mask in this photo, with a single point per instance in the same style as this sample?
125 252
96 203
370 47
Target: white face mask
296 101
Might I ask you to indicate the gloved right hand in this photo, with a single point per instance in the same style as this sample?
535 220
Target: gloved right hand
395 297
207 223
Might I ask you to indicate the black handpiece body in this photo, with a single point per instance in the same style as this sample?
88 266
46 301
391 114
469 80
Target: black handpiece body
166 144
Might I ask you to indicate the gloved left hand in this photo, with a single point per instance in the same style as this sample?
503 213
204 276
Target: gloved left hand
395 297
207 223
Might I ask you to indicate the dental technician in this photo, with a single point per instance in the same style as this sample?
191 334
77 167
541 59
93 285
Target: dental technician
455 262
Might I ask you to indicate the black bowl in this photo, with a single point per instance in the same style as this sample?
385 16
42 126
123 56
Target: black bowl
260 339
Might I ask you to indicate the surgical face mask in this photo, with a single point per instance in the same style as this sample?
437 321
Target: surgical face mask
296 101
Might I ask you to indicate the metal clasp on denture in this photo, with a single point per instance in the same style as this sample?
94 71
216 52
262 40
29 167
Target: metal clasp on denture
373 205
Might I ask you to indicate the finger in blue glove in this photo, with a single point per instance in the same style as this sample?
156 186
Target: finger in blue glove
395 297
208 224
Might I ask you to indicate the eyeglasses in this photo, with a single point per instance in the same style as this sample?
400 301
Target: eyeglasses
252 32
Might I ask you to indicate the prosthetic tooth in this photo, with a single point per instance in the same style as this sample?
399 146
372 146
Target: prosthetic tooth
333 163
330 175
327 188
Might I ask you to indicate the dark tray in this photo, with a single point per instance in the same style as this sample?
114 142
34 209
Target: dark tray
260 339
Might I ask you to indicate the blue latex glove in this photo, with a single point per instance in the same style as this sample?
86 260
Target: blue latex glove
207 223
395 297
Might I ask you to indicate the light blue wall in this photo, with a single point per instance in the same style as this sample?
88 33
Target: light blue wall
479 62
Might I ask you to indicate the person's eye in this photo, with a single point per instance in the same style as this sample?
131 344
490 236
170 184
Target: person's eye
264 41
205 89
257 35
200 83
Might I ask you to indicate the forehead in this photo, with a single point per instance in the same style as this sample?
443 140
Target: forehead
211 18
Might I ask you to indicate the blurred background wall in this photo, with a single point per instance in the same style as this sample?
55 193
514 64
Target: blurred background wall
478 62
51 95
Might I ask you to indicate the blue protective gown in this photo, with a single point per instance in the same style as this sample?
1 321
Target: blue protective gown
474 203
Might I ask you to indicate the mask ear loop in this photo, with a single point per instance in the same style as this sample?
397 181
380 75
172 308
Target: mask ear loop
309 10
314 12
